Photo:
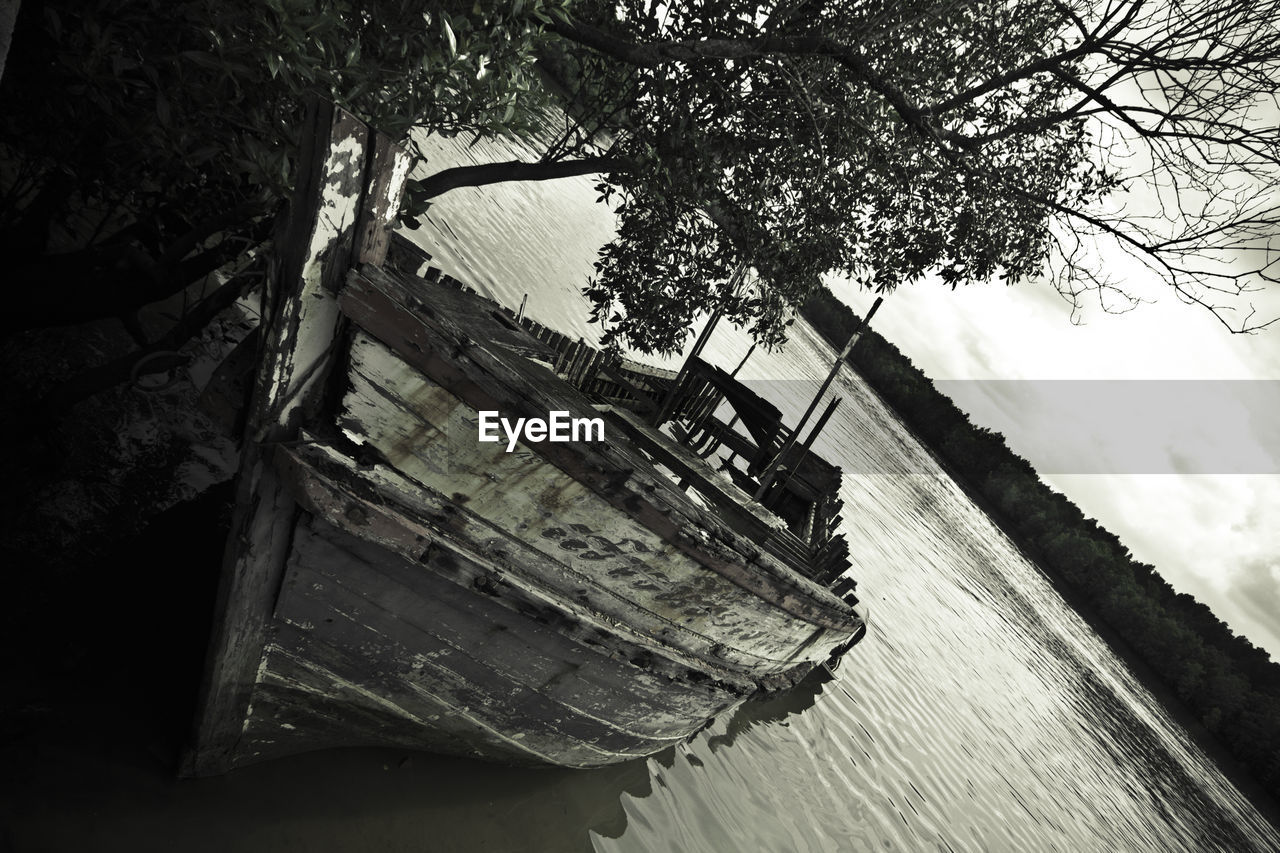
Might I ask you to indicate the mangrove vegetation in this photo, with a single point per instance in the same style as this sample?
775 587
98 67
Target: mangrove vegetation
1231 686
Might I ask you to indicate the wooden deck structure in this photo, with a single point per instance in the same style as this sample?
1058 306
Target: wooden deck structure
391 580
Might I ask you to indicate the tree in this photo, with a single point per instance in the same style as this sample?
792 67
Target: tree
146 142
967 139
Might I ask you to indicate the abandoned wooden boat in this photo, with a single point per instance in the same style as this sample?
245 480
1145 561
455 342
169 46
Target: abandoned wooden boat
394 579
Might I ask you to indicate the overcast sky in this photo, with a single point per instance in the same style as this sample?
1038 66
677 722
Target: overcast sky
1116 449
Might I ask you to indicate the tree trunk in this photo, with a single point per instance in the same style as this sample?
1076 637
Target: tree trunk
8 17
111 281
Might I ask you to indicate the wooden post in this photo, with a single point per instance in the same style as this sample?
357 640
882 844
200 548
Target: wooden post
766 476
347 193
578 352
564 350
583 376
808 442
670 403
388 168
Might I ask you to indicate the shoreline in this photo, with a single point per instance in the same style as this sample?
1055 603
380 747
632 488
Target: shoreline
1235 772
93 744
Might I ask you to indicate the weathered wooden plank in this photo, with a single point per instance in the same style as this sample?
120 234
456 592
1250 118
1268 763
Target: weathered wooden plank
564 354
529 391
352 619
336 626
302 323
514 723
454 628
297 708
299 330
388 169
662 590
254 560
480 555
522 389
521 641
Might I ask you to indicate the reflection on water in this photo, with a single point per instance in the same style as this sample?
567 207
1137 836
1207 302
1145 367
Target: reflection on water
374 800
772 709
979 714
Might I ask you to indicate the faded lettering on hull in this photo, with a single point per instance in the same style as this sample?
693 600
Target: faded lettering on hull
617 557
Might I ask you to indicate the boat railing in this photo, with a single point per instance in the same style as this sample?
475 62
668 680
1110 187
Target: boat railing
803 489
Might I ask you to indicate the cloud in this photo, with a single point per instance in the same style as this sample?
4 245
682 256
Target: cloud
1256 594
1216 538
1131 426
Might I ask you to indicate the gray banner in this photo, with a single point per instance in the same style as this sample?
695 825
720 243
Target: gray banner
1131 426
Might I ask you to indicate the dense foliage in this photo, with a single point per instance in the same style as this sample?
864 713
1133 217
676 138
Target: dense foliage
1027 139
1232 686
784 138
136 133
883 141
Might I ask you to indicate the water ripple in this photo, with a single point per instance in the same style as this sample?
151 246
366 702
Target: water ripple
980 714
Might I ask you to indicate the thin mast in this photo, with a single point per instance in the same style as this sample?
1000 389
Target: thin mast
766 477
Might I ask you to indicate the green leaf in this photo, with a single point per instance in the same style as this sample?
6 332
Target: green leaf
449 36
53 23
202 58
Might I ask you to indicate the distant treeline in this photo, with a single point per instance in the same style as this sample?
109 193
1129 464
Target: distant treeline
1232 686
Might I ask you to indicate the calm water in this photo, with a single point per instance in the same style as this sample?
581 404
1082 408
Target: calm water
980 713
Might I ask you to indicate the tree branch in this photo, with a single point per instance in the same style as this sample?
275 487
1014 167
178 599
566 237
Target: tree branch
514 170
98 379
657 54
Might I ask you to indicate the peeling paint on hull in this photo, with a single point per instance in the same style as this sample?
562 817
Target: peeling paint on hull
371 637
445 594
564 604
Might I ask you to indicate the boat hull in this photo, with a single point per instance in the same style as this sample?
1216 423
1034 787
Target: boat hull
406 619
370 648
391 580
